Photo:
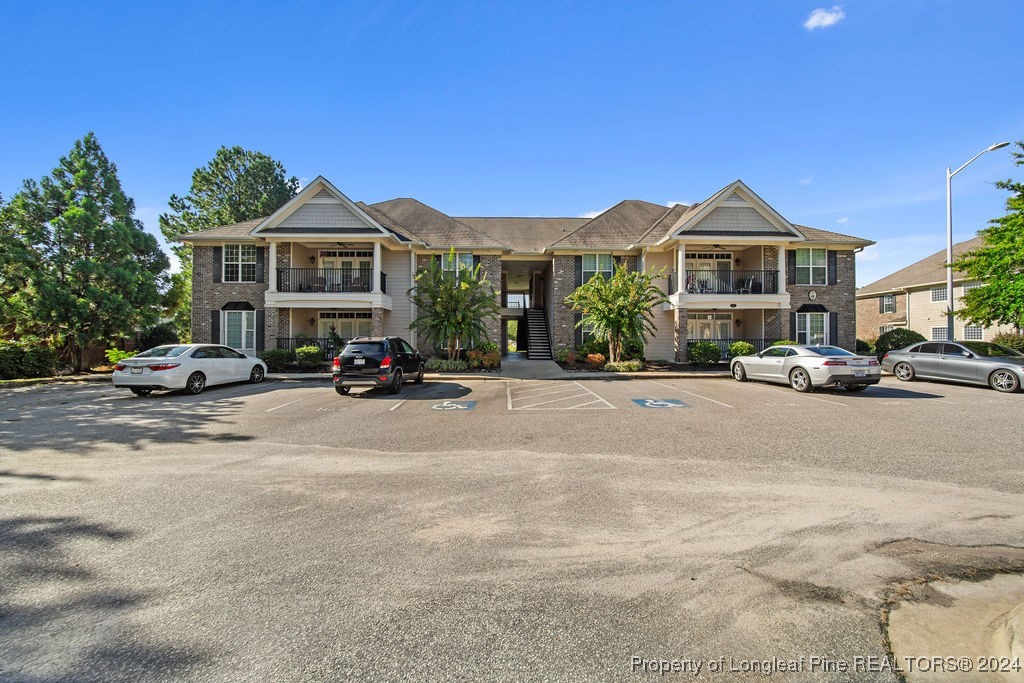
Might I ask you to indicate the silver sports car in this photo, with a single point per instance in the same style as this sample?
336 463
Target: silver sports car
975 362
806 367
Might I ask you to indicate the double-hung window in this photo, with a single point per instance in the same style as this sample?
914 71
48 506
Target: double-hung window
888 304
453 263
239 263
811 328
240 329
811 266
597 264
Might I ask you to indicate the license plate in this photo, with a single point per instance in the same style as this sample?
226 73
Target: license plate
136 371
359 361
858 373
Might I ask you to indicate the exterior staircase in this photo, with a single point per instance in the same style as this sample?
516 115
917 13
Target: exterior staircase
539 343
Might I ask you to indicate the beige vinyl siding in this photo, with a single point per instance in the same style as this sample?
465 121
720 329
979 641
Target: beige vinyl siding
396 265
736 219
924 314
324 215
662 345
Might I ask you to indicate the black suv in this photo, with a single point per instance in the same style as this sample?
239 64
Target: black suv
377 362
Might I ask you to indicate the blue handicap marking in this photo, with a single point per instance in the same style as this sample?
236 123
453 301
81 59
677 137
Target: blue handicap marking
659 403
454 405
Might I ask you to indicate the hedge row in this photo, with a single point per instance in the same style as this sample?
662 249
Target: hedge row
26 359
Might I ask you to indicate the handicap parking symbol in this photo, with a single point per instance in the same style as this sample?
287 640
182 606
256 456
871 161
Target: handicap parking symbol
454 405
659 403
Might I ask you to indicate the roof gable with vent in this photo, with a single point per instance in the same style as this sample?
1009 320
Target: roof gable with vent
321 209
733 211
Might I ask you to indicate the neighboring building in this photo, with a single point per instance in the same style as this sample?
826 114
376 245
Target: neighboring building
324 267
915 298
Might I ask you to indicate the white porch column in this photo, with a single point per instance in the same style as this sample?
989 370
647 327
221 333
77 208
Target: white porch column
376 267
412 304
782 269
273 266
680 268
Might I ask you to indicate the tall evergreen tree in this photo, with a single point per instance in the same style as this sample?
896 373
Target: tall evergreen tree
999 263
89 272
237 185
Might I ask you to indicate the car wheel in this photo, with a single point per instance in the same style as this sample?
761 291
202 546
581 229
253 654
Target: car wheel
257 374
904 372
855 387
196 383
1004 380
142 392
419 374
800 380
343 391
396 382
739 373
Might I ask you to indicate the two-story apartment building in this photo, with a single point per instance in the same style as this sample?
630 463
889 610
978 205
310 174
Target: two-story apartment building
324 267
915 298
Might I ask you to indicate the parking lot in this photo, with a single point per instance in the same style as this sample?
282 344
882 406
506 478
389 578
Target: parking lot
507 530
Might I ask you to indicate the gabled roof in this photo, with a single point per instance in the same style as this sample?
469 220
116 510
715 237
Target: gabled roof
222 232
817 235
434 228
617 228
928 271
527 234
737 193
319 190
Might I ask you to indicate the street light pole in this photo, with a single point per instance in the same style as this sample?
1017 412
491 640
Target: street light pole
949 234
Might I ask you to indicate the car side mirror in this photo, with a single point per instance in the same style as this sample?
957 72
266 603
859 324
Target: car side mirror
760 354
967 354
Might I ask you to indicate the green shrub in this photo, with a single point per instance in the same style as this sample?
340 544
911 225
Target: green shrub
489 347
705 353
1010 340
308 357
562 355
443 365
624 366
864 347
592 346
474 358
158 335
741 348
26 358
115 356
896 339
278 360
785 342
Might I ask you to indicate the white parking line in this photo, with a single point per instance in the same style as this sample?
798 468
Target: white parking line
578 391
395 407
669 386
284 405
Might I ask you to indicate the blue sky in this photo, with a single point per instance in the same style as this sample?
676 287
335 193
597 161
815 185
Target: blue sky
841 116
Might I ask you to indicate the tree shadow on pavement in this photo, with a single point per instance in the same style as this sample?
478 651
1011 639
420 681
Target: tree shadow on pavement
63 620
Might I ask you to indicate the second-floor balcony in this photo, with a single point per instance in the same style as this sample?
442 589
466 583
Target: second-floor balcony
727 282
340 280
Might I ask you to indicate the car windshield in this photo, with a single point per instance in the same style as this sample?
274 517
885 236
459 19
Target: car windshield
990 349
364 349
829 351
163 352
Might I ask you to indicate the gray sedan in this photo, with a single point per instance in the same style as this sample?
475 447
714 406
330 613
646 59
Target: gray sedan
806 367
974 362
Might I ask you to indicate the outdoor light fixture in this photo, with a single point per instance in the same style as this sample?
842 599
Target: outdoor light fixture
312 321
949 234
312 259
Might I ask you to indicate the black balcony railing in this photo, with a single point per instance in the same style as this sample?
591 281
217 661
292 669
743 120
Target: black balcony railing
328 345
727 282
328 280
724 344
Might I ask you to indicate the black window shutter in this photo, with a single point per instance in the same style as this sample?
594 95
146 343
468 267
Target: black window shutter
792 327
260 333
577 330
218 263
881 304
831 267
578 263
833 328
476 260
215 327
791 267
261 268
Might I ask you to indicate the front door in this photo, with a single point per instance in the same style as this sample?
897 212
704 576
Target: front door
345 328
709 326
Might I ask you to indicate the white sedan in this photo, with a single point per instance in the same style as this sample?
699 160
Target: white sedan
806 367
191 367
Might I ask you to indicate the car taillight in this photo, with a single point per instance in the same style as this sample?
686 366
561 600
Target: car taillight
872 362
386 363
337 363
834 362
885 355
120 366
156 367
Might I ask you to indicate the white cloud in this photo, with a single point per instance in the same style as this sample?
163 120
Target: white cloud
823 18
593 214
807 181
671 204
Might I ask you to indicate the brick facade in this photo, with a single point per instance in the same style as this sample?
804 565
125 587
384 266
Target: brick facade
869 319
562 319
208 296
838 298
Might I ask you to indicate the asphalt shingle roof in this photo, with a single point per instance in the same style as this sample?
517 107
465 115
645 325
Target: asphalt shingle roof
617 228
927 271
434 228
528 234
233 231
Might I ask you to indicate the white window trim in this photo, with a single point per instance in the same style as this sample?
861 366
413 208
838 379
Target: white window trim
806 328
606 273
938 294
247 316
888 299
810 268
939 334
975 329
239 262
458 262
